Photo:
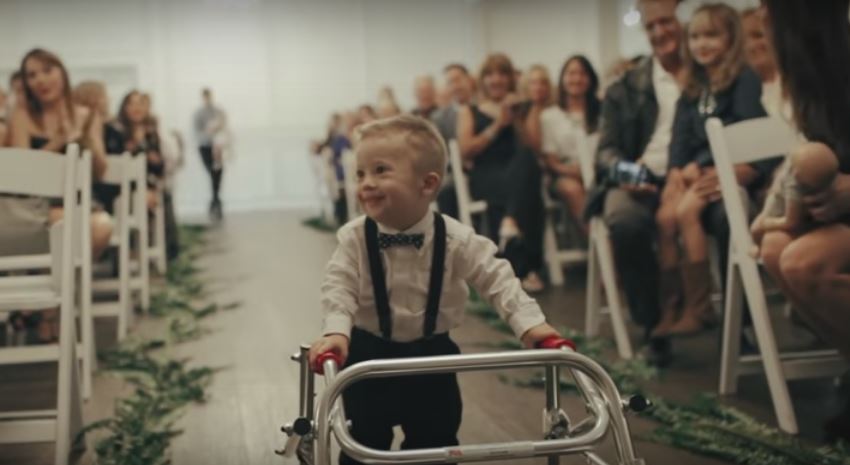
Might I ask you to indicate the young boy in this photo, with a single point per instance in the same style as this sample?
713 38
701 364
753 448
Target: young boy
397 284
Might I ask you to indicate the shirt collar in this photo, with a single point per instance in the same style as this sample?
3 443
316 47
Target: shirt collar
659 74
423 226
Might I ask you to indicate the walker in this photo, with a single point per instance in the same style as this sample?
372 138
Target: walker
310 433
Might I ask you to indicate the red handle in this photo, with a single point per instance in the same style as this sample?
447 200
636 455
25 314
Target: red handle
319 367
555 342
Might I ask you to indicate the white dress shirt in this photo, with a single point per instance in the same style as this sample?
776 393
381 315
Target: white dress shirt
561 132
347 298
667 92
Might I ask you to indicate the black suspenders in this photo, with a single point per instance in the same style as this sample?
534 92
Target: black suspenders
379 282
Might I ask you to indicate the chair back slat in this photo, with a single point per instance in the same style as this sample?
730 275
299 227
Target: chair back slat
744 142
116 166
757 139
36 173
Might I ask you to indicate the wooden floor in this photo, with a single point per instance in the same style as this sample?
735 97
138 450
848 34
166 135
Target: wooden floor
273 265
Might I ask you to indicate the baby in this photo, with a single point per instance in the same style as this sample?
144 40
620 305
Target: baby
811 168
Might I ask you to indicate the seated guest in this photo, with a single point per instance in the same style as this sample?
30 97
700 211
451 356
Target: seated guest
488 138
460 87
521 230
576 116
49 120
718 85
365 113
4 123
426 96
387 105
759 54
16 87
92 95
811 265
137 135
636 126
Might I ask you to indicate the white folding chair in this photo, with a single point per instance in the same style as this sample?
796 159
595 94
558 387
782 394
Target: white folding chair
601 269
83 262
156 244
349 170
44 174
123 171
747 142
556 258
466 207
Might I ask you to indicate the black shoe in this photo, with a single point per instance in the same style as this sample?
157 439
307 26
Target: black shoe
659 352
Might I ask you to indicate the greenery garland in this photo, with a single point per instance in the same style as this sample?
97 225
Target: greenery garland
319 223
142 428
704 426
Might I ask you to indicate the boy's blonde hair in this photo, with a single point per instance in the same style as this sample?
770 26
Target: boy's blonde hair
428 147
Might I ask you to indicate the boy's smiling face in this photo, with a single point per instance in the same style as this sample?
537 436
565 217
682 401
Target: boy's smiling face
390 187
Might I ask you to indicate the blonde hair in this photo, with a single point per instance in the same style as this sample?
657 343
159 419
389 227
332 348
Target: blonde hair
497 63
92 94
525 81
428 147
726 18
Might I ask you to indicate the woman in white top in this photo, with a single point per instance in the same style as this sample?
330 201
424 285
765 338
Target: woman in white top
760 57
569 130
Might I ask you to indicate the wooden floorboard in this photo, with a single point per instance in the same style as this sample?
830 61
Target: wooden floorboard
273 266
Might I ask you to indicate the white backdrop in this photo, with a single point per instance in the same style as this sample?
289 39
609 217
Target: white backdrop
279 68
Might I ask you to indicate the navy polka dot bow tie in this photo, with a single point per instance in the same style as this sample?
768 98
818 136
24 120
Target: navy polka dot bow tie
389 240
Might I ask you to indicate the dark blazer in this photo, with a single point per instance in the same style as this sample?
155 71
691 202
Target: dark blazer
629 114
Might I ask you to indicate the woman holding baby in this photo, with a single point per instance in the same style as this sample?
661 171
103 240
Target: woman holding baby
811 260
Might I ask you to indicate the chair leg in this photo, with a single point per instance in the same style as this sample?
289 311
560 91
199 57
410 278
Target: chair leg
67 393
144 263
776 381
87 329
124 297
593 306
612 293
550 247
731 343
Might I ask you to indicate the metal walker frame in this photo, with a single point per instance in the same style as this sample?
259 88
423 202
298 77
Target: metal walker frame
310 434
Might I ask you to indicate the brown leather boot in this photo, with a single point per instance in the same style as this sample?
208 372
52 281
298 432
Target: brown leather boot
670 291
697 314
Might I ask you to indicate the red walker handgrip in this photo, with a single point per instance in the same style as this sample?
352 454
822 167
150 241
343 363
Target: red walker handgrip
319 367
555 342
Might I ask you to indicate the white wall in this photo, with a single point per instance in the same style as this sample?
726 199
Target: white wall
279 68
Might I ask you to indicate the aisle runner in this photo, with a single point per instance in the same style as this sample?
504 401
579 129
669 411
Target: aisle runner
703 426
141 430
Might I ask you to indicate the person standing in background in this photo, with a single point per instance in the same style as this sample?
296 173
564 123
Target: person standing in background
209 122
